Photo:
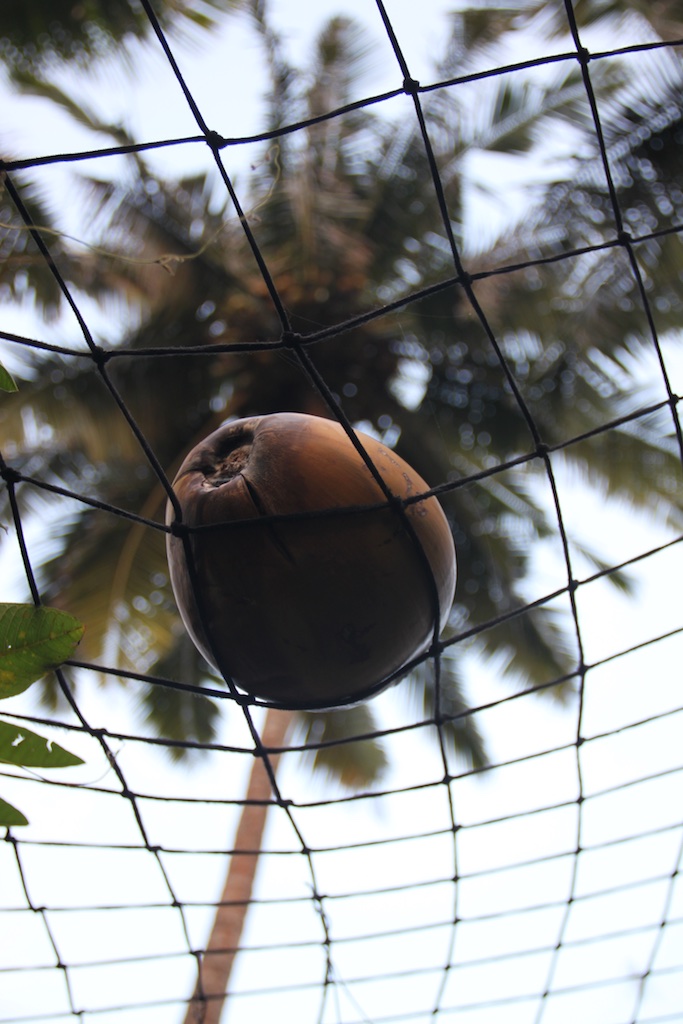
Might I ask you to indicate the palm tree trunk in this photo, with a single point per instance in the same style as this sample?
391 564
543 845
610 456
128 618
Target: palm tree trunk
224 940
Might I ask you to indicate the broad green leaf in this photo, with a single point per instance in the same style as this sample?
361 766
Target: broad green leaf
23 747
32 641
7 382
10 815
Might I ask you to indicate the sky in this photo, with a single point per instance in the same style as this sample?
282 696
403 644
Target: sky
515 852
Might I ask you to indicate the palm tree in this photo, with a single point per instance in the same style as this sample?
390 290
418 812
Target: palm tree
43 32
346 214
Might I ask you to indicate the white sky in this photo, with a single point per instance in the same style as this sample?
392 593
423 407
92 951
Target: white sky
626 690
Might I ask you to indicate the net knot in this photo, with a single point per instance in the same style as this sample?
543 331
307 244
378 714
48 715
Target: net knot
9 475
100 357
215 141
291 339
178 529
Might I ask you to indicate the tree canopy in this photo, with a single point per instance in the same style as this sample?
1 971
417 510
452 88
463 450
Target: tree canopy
471 361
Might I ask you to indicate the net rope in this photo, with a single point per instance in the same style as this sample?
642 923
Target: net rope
610 951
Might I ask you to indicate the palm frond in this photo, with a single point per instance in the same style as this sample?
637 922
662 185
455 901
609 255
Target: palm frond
617 577
354 763
447 705
30 84
177 714
284 96
536 648
57 29
23 272
69 411
342 57
663 19
640 466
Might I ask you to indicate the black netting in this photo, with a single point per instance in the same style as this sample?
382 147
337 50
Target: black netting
541 885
